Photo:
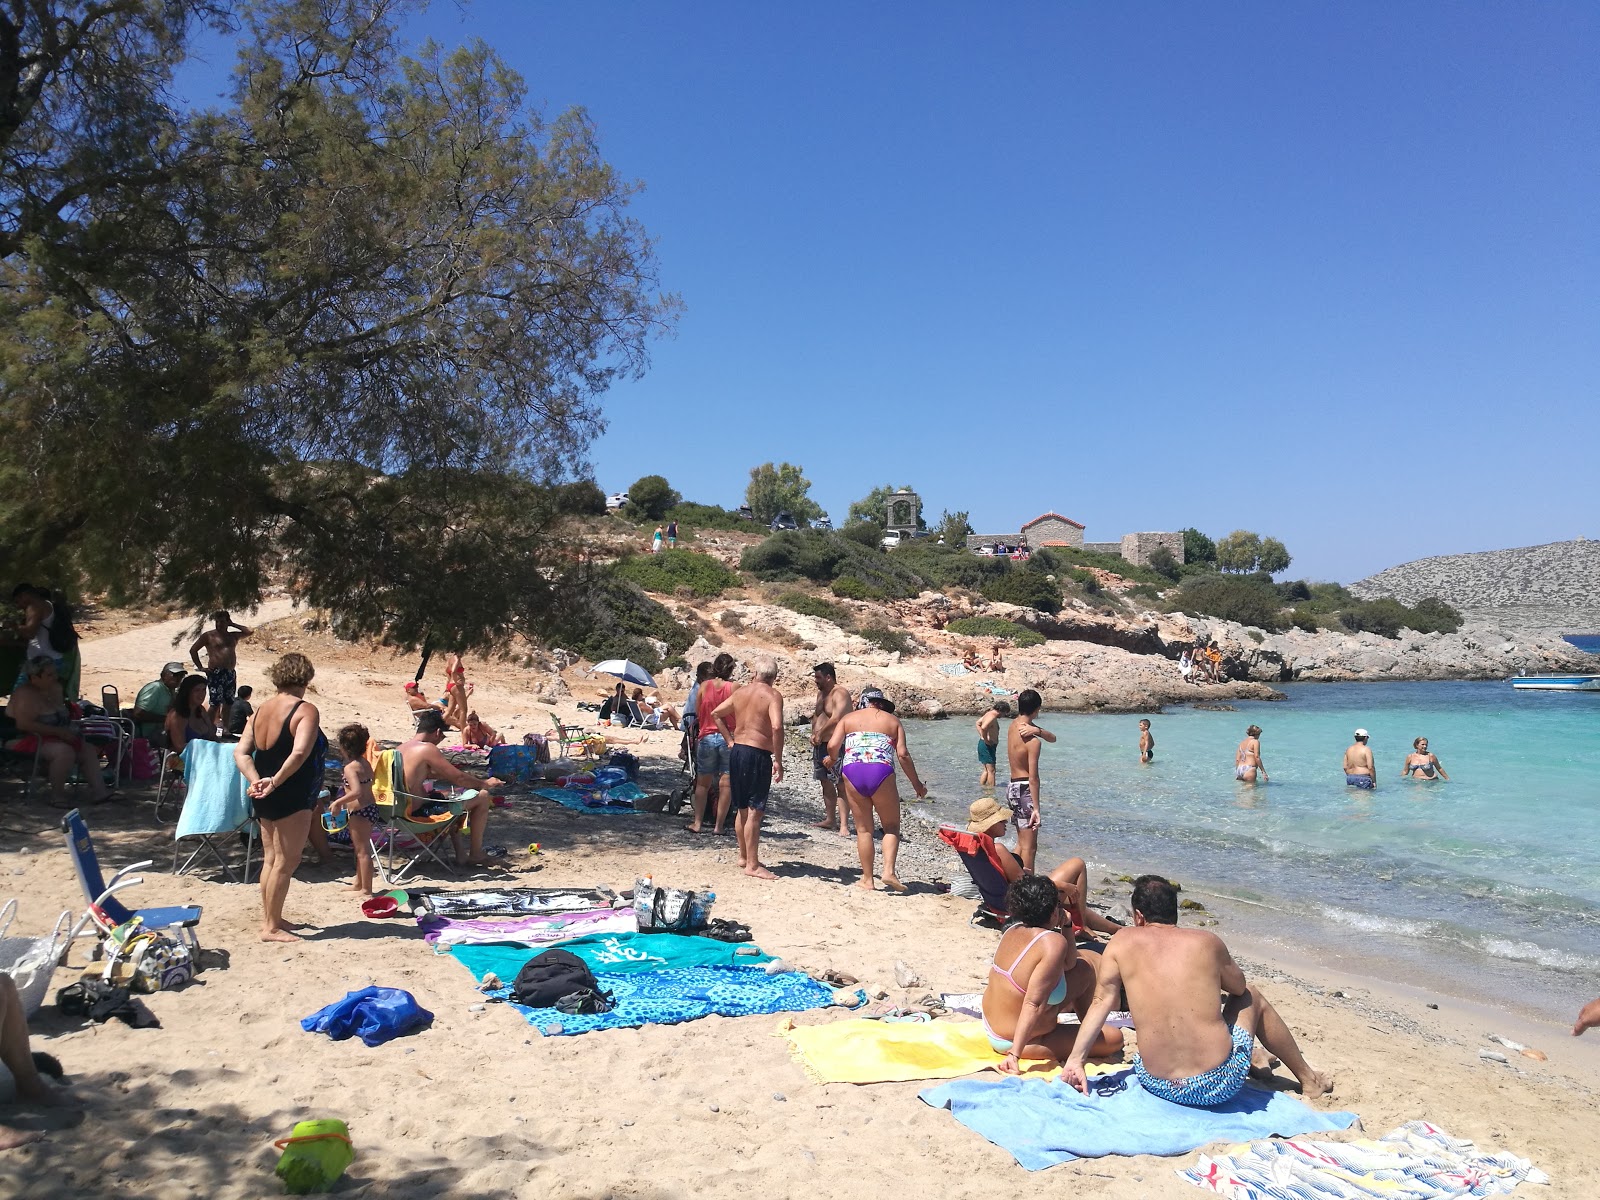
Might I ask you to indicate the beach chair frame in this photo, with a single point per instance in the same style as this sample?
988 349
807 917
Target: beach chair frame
102 903
394 820
986 877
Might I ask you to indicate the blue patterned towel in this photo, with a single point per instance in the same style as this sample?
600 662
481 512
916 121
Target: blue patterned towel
1044 1122
586 800
684 994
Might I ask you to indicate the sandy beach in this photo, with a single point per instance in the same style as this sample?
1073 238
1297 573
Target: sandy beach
481 1105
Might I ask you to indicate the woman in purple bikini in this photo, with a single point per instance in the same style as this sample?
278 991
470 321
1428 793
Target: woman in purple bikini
865 744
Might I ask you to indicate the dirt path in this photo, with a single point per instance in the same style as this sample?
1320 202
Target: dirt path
132 659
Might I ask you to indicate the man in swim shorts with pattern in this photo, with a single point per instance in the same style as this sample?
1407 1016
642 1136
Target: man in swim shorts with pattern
1197 1017
1022 793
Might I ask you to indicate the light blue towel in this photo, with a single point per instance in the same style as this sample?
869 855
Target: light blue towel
1042 1122
217 799
578 799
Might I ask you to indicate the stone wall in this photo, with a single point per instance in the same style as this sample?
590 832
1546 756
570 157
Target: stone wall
1136 547
1049 530
1103 547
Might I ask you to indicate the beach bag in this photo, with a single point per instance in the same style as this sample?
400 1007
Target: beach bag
142 761
546 978
145 961
670 910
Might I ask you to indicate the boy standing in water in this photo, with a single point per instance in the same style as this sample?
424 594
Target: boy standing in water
1147 742
1022 793
989 741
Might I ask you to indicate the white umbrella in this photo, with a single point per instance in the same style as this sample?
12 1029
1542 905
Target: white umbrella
625 669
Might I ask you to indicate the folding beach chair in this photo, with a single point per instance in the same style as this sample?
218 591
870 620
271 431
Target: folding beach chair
568 737
403 831
982 861
216 810
180 919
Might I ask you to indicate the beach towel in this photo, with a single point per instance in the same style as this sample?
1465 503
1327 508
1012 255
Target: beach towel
373 1014
616 954
1042 1124
1418 1161
510 902
671 996
865 1051
952 669
538 929
383 777
587 800
218 799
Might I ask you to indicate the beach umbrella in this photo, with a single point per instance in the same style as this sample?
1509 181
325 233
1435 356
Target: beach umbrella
625 669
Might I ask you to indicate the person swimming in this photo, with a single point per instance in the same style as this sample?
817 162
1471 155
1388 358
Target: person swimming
868 760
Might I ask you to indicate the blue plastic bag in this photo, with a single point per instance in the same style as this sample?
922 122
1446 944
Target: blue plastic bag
610 777
373 1014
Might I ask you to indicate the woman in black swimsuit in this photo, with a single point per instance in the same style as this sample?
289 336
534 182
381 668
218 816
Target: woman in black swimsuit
280 754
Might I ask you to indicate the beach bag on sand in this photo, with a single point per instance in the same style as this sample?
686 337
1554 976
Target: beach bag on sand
670 910
145 961
546 978
142 763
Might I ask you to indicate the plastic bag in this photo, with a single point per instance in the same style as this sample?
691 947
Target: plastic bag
373 1014
610 777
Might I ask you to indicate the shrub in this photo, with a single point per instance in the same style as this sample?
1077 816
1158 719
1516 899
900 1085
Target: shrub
1433 615
617 620
691 516
703 575
1027 587
996 627
1302 618
1247 601
1060 558
1086 579
582 498
1145 591
950 566
815 606
848 587
823 557
1162 562
1384 617
866 533
1198 548
650 497
890 640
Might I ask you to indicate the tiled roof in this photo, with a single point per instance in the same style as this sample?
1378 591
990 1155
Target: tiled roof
1053 516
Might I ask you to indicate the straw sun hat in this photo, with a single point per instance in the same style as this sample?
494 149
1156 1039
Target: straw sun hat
985 813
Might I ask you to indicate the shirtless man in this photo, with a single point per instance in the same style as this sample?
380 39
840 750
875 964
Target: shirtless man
755 761
1022 793
221 644
1194 1047
989 741
423 763
1247 758
833 702
1360 772
1147 741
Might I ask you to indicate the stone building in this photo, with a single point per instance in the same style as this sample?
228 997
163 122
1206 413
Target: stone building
903 512
1136 547
1052 529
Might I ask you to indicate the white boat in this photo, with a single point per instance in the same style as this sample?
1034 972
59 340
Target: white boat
1556 683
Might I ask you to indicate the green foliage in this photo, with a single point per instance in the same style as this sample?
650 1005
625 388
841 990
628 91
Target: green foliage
365 307
1198 548
864 533
815 606
1059 558
953 527
894 641
950 565
691 516
1434 615
649 498
614 619
1239 551
583 498
848 587
1145 591
1027 587
1086 579
670 570
781 488
1386 617
1304 619
822 557
1274 556
1163 562
996 627
874 507
1247 601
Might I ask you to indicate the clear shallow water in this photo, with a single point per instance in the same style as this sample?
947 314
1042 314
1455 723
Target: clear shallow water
1492 879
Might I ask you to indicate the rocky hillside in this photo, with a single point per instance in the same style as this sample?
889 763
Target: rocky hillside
1555 586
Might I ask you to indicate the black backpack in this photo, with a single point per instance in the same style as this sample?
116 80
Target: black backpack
547 977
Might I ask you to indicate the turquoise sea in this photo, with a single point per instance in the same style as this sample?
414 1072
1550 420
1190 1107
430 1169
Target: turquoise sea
1488 885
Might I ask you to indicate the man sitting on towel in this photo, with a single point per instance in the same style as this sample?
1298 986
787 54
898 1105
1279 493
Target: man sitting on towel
423 764
1194 1046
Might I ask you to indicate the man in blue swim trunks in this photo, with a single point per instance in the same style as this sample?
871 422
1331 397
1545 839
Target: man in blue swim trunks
1359 769
988 740
1197 1018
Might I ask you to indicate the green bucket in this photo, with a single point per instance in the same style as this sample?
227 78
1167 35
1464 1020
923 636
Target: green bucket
315 1155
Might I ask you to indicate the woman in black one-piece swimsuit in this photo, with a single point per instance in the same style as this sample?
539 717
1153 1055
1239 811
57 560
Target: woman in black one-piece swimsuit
285 776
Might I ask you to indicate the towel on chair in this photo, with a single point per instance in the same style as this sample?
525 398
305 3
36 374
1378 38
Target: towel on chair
863 1051
218 800
1041 1124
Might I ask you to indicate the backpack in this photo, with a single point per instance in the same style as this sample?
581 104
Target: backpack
546 978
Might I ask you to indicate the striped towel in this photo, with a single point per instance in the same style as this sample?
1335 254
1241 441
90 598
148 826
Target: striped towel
1418 1161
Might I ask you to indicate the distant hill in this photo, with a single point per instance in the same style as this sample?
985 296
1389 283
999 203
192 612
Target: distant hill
1559 581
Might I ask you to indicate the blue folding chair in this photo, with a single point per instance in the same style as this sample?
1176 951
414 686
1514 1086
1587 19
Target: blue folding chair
182 919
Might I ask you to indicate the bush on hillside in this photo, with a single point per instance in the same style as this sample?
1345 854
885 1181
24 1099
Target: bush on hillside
815 606
865 533
1230 598
1435 616
848 587
616 620
822 557
892 641
1060 558
950 566
650 497
1145 591
1028 587
691 516
581 498
1386 617
988 628
670 570
1162 562
1086 579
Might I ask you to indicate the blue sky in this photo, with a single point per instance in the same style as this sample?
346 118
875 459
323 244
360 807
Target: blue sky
1330 272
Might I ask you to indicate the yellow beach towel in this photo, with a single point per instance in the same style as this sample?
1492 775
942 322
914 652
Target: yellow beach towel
860 1051
383 778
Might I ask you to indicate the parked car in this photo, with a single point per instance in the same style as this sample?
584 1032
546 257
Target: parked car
890 539
822 522
616 500
783 521
919 533
985 551
745 513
